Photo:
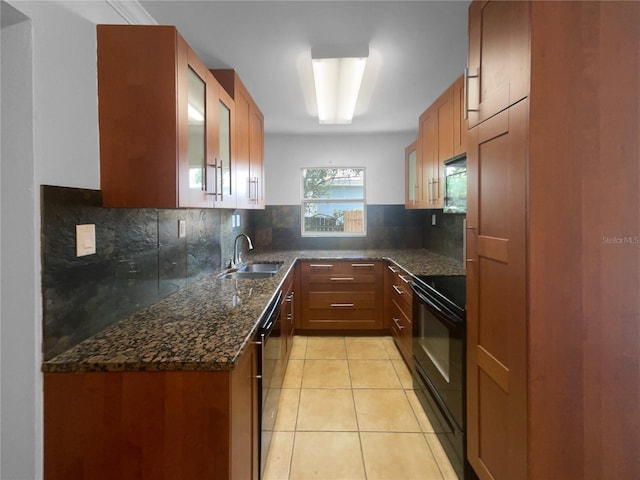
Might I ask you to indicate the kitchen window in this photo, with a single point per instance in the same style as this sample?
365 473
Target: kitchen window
333 202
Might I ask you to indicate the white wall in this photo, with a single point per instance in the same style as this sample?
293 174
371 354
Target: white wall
50 136
19 332
381 154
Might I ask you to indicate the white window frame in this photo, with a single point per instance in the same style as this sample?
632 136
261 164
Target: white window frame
304 201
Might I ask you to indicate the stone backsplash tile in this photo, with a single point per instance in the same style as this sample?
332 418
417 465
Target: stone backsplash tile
139 259
445 237
388 226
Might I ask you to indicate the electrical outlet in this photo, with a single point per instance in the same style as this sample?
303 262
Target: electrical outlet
85 240
182 228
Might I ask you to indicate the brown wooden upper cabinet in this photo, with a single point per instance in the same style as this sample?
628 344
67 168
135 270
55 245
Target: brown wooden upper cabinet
413 175
166 136
459 120
427 154
498 71
441 136
248 154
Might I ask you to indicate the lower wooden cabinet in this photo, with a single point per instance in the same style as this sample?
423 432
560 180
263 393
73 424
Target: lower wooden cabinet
153 425
341 295
399 311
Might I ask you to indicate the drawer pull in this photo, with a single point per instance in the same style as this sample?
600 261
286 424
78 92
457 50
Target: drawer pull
341 279
362 265
400 327
341 305
404 278
321 265
400 292
393 269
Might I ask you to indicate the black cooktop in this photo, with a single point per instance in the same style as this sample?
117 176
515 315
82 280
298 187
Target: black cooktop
452 288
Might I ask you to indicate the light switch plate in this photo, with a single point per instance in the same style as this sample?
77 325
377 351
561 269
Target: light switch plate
85 240
182 228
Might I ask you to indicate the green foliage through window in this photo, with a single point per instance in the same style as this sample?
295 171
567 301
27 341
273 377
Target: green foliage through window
333 202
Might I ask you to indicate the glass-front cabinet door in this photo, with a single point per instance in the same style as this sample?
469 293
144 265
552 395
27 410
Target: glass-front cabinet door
225 190
209 140
197 141
412 186
197 89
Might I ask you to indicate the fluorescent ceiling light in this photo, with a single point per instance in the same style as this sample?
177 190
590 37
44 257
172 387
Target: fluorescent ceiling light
338 73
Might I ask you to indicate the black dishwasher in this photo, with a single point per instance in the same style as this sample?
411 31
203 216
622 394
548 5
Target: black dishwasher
271 375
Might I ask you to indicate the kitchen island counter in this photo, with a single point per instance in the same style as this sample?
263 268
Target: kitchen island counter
208 324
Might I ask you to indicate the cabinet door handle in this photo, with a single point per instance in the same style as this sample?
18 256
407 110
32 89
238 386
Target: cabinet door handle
466 227
210 187
404 278
362 265
219 183
464 241
400 292
466 92
342 305
257 198
321 265
341 279
393 269
400 327
253 181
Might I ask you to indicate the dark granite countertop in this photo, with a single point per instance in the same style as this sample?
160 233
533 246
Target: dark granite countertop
207 325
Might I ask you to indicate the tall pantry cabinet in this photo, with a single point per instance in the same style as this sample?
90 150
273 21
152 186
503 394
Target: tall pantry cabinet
553 310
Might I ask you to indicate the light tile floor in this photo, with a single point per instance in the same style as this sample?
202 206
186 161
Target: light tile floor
348 411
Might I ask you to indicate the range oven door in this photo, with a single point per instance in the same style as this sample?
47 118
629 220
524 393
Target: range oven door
438 350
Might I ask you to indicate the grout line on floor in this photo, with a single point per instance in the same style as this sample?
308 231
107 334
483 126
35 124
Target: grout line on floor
359 431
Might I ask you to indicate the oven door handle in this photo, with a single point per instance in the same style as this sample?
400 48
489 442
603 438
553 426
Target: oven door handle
426 300
446 317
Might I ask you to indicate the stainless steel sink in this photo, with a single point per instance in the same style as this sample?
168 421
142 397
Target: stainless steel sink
261 267
242 274
253 270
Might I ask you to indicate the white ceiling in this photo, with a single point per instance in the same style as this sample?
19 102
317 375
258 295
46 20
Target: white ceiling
417 49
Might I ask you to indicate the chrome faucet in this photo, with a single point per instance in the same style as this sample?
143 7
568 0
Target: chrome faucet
237 258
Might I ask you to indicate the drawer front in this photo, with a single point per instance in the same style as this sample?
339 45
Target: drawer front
342 300
401 291
343 319
402 294
401 329
343 279
340 267
342 295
